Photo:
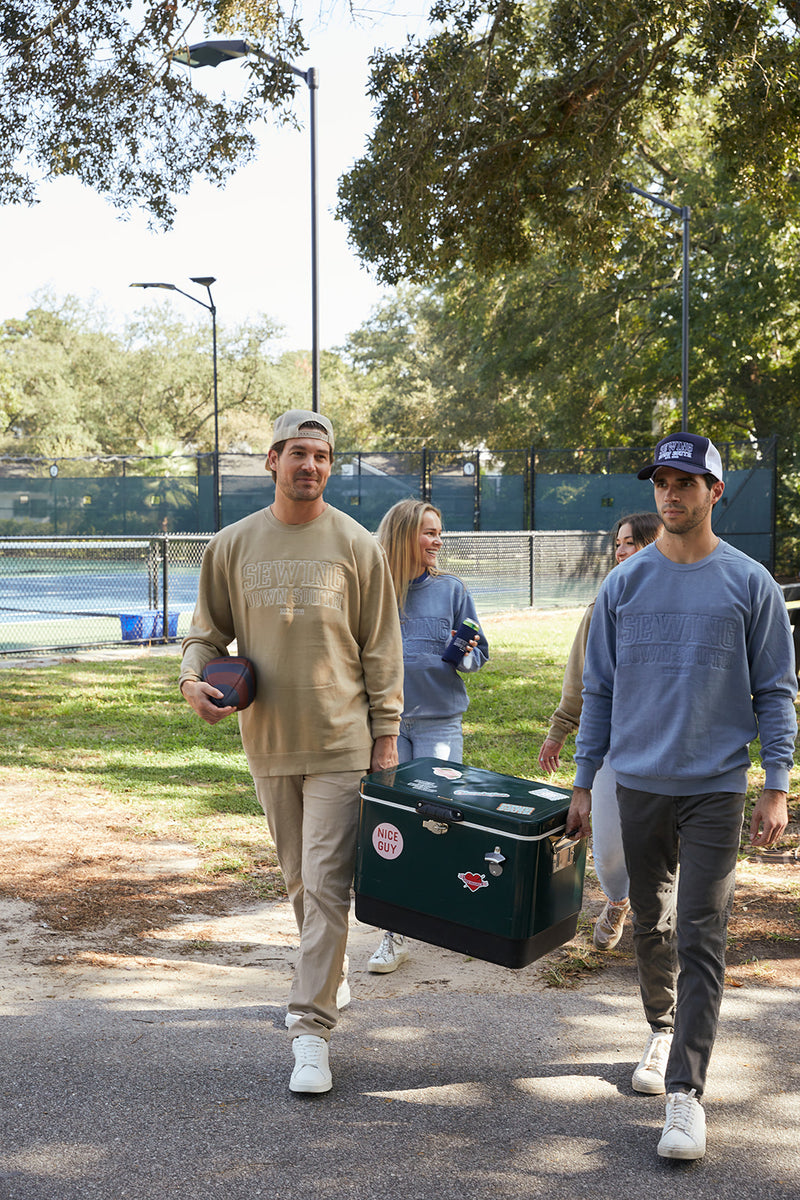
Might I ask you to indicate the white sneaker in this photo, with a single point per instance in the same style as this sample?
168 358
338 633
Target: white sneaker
311 1071
343 994
649 1075
684 1133
392 951
342 1001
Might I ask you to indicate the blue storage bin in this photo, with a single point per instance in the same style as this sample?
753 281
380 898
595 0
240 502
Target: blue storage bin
172 624
148 624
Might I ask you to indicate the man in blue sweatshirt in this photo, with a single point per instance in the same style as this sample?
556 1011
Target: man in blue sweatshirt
689 658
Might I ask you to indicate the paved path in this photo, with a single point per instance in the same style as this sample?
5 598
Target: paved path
167 1080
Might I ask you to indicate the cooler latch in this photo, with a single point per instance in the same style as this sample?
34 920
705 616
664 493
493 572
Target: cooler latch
565 851
435 826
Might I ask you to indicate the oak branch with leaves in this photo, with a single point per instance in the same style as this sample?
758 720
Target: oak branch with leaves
512 121
90 89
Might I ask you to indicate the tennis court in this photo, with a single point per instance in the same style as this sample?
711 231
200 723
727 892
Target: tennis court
63 594
67 593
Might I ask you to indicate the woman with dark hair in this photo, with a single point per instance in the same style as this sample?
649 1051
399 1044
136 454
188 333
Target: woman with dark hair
629 535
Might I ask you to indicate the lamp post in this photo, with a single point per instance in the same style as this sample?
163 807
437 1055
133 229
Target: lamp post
211 54
204 281
684 212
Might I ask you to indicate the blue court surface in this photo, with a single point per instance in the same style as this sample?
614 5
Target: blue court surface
60 604
68 595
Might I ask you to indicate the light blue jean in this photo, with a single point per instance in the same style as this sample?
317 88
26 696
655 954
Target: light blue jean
607 849
430 737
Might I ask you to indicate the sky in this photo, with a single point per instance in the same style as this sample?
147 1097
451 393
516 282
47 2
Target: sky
252 235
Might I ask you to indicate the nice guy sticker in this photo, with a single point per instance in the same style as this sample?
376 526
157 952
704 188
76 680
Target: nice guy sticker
387 840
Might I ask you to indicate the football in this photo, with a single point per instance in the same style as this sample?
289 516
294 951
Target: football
234 677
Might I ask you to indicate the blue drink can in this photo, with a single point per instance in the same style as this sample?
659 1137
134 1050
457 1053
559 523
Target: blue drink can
458 645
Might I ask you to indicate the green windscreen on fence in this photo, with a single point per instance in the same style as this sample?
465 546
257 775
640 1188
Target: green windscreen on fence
742 517
118 506
477 491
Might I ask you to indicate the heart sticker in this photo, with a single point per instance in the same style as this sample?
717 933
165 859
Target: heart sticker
472 881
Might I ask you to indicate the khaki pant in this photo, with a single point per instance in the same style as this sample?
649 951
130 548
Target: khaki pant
313 820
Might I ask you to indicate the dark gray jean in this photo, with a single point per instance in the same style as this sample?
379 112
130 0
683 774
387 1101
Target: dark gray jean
680 917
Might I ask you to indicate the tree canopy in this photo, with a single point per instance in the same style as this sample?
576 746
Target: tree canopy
70 385
515 119
564 350
90 89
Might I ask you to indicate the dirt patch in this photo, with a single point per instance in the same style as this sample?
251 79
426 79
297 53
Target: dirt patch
764 930
78 861
99 897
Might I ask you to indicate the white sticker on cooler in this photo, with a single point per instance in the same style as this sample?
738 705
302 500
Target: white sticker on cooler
388 841
547 794
488 795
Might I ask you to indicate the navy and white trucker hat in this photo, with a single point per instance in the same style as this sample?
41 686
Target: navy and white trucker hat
685 452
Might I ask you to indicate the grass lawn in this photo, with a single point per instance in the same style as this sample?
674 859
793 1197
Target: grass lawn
120 730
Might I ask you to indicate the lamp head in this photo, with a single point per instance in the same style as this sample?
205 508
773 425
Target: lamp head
203 280
170 287
211 54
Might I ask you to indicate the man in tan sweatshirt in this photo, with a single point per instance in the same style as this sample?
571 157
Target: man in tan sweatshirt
306 592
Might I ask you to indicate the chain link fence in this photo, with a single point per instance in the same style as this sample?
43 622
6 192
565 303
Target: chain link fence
67 593
59 594
486 490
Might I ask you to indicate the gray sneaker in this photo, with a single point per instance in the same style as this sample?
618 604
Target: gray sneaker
609 925
649 1075
684 1133
392 951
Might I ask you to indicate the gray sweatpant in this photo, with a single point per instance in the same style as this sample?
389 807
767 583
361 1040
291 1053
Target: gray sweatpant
680 917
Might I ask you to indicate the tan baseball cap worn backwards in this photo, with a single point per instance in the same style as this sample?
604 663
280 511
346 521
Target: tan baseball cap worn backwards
299 423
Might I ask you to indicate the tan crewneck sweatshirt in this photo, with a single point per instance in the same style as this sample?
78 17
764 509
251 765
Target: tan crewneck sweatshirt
566 719
314 608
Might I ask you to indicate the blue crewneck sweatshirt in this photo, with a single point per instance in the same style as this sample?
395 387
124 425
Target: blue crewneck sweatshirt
687 663
435 606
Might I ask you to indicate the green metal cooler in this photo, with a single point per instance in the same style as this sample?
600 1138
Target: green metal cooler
468 859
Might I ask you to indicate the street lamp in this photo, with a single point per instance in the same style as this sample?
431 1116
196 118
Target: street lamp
211 54
684 212
204 281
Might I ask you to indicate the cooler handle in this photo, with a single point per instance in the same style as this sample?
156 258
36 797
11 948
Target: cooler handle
439 812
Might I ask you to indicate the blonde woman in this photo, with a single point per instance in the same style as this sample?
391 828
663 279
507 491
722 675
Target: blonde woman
432 605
